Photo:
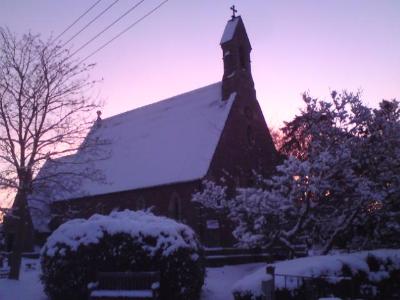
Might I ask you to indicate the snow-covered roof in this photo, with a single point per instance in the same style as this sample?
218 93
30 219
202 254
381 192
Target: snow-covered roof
230 29
162 143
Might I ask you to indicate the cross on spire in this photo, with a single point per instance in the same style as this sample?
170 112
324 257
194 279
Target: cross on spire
234 11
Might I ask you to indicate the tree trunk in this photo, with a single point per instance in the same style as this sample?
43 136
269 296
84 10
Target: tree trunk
339 229
20 215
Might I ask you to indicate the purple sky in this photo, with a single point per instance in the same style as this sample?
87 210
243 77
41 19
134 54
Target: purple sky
298 46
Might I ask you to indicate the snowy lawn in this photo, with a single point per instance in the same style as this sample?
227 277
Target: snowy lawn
28 287
221 281
218 283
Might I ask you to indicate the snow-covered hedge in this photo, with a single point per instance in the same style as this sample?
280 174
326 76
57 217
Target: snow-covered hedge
376 270
122 241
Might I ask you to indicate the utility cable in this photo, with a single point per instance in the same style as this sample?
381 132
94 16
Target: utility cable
77 20
108 27
125 30
91 21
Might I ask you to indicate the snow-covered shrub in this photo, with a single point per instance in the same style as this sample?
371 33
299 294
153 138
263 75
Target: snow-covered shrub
341 274
122 241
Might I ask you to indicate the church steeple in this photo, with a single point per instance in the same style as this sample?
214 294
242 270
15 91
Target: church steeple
236 50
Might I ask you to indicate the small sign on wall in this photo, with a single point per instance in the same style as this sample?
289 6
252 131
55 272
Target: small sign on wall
212 224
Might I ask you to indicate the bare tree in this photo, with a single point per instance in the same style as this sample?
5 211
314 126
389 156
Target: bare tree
44 105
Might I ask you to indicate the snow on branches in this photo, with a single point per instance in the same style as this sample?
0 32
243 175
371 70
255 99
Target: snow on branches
339 185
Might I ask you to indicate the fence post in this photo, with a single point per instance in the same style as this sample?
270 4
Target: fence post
271 271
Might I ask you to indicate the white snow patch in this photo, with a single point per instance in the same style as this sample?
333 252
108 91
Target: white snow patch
217 285
169 234
230 29
314 266
231 75
123 293
27 287
252 282
219 280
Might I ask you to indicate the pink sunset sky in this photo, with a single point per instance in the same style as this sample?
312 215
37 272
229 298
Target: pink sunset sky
298 46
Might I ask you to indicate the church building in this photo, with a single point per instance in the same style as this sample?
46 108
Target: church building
158 155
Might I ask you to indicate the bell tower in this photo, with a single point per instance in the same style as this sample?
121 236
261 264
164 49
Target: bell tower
236 50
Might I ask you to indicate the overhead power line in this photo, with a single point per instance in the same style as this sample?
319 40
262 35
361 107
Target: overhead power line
77 20
108 27
91 21
125 30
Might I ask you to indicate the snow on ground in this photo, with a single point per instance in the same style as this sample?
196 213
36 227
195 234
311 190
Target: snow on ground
219 281
217 285
314 266
28 287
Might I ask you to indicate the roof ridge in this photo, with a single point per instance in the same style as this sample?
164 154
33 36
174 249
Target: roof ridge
160 101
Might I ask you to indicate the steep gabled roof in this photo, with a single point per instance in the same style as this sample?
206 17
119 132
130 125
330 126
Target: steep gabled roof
230 30
234 31
166 142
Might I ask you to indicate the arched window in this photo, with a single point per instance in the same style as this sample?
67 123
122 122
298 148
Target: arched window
175 207
242 58
140 203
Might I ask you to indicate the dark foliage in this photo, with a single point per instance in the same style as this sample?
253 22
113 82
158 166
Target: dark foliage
66 275
246 296
373 263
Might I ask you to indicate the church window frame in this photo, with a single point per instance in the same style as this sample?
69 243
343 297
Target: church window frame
175 207
243 59
140 203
